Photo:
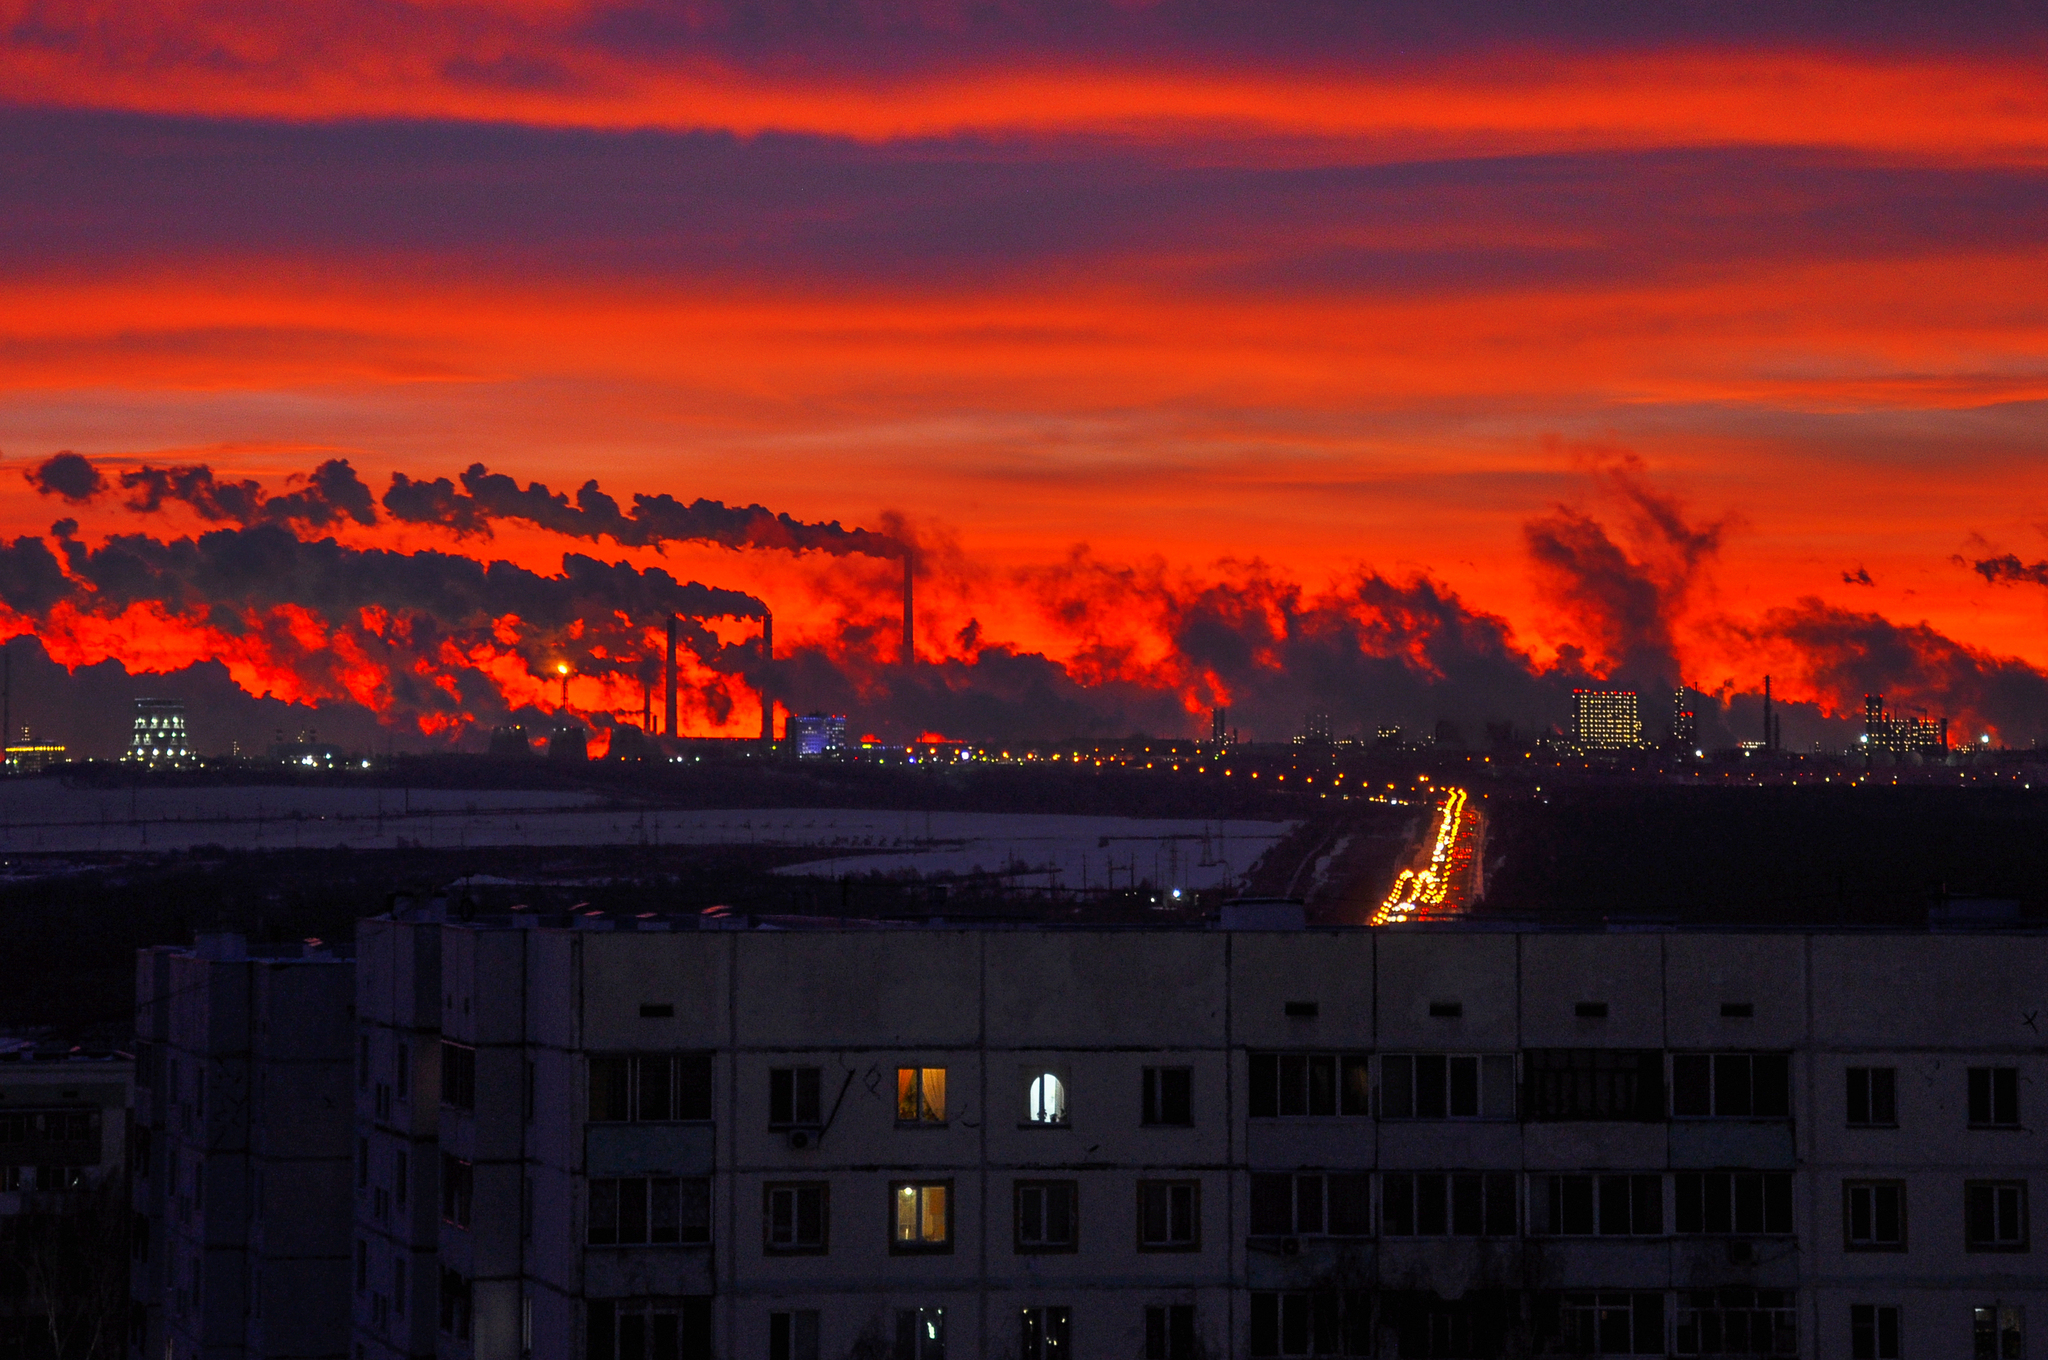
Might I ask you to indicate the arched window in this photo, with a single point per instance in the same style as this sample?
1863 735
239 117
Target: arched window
1048 1099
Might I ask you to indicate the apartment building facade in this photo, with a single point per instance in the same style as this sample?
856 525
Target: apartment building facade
636 1139
63 1146
241 1178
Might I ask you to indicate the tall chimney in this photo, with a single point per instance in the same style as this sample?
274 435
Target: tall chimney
767 692
909 647
671 728
1770 734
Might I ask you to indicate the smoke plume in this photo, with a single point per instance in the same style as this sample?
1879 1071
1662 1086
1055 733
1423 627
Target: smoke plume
488 496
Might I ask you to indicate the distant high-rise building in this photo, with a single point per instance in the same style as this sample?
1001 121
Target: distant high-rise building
819 735
1685 721
1219 724
1316 727
1893 735
160 737
29 756
1606 719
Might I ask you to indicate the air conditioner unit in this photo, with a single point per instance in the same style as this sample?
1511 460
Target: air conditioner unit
1290 1246
802 1138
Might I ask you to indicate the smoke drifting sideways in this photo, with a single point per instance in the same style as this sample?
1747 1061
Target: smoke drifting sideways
487 496
445 643
438 642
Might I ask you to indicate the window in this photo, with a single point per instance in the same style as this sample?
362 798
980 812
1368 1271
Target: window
1046 1215
1597 1206
651 1088
401 1169
1874 1215
633 1211
402 1064
920 1095
1313 1204
1046 1333
793 1335
1476 1325
455 1305
1290 1084
1447 1204
793 1098
362 1162
398 1286
1170 1331
646 1328
795 1218
1731 1086
362 1265
1873 1098
1169 1096
458 1186
1169 1215
1994 1097
1732 1201
1326 1322
1447 1086
1737 1320
458 1075
1998 1332
1593 1083
920 1334
1607 1323
921 1216
1045 1098
1995 1215
1873 1331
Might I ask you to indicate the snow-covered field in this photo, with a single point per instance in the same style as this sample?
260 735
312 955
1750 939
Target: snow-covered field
1044 850
44 816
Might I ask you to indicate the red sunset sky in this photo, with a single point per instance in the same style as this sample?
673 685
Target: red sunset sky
1302 357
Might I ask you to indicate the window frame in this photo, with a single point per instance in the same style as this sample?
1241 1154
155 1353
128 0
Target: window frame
1350 1083
925 1116
1326 1197
1768 1181
792 1117
1166 1324
1167 1186
691 1071
1992 1076
1872 1187
1343 1317
917 1318
1490 1184
1869 1100
1867 1331
1044 1319
1998 1314
1485 1107
793 1344
1152 1099
458 1075
646 1191
921 1246
1995 1188
796 1190
1648 1310
1552 1076
1714 1059
1028 1075
1045 1246
1600 1186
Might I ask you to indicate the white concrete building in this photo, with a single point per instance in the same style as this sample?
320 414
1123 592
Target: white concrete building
649 1141
243 1167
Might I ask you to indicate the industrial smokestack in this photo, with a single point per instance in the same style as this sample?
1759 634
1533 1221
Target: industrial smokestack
767 692
671 728
909 647
1770 729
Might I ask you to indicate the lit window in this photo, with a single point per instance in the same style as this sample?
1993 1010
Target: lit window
1047 1099
920 1334
1998 1333
920 1095
922 1213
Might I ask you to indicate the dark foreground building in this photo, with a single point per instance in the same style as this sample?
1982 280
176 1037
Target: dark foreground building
650 1138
